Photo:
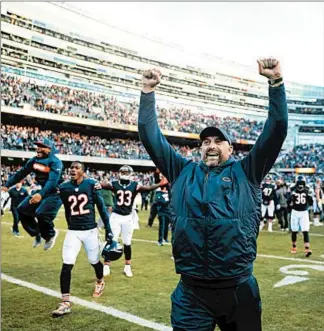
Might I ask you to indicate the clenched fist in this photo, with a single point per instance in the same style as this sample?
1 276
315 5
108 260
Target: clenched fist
270 68
151 78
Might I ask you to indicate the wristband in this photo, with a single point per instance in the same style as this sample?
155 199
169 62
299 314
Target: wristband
275 81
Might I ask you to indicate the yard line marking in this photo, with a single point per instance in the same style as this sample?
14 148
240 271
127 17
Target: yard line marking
289 258
310 233
258 255
91 305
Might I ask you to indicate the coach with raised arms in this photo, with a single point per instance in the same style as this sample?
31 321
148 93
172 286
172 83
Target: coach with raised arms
217 206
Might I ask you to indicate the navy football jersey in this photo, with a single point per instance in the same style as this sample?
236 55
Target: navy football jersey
268 193
124 197
79 202
301 199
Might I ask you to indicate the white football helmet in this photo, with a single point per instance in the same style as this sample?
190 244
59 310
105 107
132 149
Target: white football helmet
125 172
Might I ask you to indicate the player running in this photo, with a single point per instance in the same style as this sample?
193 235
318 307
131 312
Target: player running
79 198
121 219
300 199
45 204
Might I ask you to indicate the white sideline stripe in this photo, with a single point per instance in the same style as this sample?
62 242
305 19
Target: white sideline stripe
91 305
258 255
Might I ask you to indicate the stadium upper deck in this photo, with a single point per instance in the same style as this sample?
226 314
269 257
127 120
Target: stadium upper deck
41 36
39 40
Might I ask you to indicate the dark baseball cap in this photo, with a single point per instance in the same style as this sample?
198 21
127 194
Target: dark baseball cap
212 131
44 143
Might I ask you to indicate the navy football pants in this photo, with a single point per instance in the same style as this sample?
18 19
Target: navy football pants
163 228
231 309
15 216
45 212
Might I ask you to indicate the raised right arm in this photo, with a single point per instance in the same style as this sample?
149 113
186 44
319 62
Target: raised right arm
167 160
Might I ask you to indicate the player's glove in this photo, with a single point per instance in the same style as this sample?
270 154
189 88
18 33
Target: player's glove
278 207
109 237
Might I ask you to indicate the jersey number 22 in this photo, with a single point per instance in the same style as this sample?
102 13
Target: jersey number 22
78 203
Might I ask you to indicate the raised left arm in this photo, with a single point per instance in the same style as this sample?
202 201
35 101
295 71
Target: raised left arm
267 147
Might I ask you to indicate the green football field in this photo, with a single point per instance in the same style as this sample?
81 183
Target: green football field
292 287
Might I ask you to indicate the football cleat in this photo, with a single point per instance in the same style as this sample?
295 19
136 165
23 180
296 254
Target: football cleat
15 233
128 270
49 244
62 309
106 270
293 250
308 252
37 242
99 287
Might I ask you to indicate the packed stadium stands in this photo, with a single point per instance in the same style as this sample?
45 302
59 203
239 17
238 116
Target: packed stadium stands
56 71
304 156
85 104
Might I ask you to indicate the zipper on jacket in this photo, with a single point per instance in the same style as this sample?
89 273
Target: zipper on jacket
205 263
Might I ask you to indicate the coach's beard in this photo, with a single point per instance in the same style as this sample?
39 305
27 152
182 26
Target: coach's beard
212 158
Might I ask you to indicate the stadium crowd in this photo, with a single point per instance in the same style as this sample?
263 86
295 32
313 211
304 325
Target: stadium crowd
304 156
23 138
101 175
84 104
70 143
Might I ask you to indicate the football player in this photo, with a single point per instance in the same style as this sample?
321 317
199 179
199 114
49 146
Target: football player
164 212
268 202
79 198
121 219
45 204
300 199
17 195
318 208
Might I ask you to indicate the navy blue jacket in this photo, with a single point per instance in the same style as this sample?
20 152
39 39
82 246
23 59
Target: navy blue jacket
217 210
17 196
162 199
48 173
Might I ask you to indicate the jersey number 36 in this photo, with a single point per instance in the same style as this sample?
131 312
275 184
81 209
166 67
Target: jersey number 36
300 198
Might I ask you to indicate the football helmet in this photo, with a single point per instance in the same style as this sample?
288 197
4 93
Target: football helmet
125 172
300 182
268 178
112 251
